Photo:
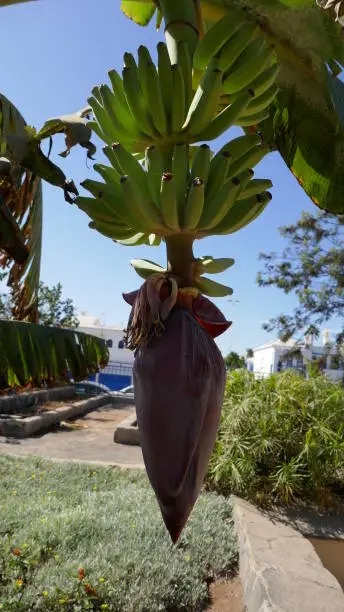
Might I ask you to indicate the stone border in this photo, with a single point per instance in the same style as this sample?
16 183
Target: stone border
17 402
127 432
279 568
25 427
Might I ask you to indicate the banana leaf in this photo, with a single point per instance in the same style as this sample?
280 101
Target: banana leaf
305 123
36 354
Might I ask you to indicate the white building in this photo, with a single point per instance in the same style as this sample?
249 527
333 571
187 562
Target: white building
273 357
119 371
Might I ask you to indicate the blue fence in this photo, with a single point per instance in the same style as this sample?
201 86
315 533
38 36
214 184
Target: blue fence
115 376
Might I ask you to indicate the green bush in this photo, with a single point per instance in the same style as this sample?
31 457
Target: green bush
281 439
76 537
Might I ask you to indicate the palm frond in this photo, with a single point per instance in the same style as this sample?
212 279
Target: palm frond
37 354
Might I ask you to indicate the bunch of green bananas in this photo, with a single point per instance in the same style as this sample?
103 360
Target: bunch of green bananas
140 203
229 81
235 47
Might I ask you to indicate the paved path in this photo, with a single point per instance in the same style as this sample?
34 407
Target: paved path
91 442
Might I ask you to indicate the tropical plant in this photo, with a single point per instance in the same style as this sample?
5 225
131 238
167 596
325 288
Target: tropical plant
280 439
309 45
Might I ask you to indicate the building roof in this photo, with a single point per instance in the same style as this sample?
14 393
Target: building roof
93 322
276 344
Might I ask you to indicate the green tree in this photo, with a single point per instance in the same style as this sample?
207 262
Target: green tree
233 361
249 353
312 268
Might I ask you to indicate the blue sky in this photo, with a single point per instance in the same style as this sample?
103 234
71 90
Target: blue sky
54 52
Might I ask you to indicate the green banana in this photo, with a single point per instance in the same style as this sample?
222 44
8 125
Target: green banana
243 213
205 102
129 165
111 230
144 58
108 151
194 205
208 265
109 102
112 200
103 119
154 170
146 215
134 240
96 93
124 113
136 102
217 173
212 289
244 177
102 190
249 120
246 69
264 81
261 102
224 120
180 171
240 145
129 61
248 160
155 100
255 187
178 99
201 163
96 208
185 63
236 45
145 268
108 174
168 201
216 209
216 37
165 77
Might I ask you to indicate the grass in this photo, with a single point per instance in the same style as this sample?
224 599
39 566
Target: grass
281 439
77 538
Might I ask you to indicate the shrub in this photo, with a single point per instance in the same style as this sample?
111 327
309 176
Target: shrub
76 537
280 439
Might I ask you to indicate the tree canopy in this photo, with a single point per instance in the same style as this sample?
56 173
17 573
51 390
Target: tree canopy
233 361
53 308
312 268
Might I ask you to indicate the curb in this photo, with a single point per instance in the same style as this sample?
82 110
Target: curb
128 432
25 427
279 568
18 402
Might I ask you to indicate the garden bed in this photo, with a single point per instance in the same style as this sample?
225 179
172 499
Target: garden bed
76 535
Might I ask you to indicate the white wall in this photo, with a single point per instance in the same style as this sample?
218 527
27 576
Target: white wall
264 361
116 335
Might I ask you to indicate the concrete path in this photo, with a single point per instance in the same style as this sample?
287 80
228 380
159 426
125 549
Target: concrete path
89 439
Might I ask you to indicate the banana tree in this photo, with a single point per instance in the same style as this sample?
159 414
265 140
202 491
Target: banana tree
306 118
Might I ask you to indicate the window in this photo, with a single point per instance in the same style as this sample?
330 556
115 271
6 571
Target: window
109 343
121 344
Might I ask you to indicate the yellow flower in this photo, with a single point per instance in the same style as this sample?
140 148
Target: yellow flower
56 557
62 601
104 607
45 593
187 557
33 476
19 582
101 579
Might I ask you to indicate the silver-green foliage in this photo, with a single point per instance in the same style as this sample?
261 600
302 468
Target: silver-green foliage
62 517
